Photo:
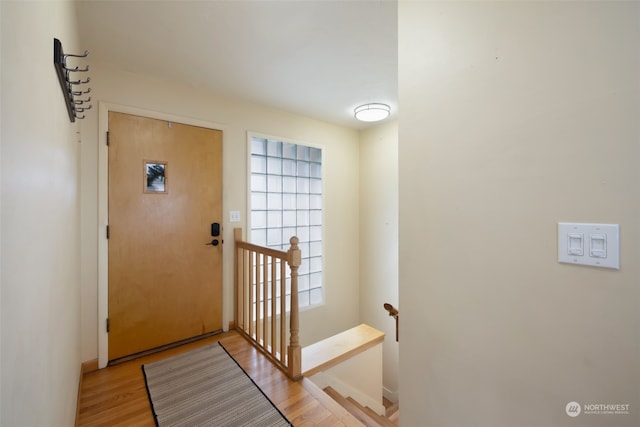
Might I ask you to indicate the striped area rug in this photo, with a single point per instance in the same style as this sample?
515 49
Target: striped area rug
207 387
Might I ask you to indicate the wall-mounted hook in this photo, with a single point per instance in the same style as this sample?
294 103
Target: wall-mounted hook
77 69
79 82
84 55
79 92
63 72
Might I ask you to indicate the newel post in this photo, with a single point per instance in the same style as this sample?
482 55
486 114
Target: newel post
294 258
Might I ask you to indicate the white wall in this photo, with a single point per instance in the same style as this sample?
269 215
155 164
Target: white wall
39 216
516 116
379 240
236 118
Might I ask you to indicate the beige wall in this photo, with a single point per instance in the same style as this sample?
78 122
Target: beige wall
50 265
516 116
39 216
235 118
379 240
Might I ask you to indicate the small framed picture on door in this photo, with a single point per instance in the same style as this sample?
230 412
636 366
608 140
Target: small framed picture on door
155 177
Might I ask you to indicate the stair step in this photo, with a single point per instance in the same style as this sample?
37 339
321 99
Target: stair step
395 417
392 409
372 414
365 415
353 409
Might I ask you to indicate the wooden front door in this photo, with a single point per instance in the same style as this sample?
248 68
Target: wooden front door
165 192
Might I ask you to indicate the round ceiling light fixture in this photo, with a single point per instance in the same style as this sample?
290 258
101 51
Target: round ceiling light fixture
372 112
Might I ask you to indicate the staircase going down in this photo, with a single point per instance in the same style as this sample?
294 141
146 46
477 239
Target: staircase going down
364 414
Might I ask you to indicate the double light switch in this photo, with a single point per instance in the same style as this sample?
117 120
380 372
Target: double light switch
596 245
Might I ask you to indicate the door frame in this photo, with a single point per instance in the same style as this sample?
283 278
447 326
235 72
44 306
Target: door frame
103 207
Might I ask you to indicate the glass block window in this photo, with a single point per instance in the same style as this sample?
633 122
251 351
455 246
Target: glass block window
286 201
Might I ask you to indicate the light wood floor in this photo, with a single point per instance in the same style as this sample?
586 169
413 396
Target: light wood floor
116 396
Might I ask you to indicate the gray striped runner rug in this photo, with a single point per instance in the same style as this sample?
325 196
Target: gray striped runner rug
207 387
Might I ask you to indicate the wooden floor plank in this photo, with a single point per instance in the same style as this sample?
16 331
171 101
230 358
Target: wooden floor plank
117 396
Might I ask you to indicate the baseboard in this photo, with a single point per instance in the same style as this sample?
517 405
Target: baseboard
232 325
85 367
392 396
89 366
79 395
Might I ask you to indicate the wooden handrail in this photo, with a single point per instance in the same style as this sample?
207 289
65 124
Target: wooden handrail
258 271
393 312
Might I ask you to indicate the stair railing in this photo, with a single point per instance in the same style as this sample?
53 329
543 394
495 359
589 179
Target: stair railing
265 305
393 312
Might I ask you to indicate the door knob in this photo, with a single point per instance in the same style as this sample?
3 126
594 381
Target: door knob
214 242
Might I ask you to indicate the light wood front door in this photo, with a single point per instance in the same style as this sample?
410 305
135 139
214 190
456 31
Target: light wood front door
165 192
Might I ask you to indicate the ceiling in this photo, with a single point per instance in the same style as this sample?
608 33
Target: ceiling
318 58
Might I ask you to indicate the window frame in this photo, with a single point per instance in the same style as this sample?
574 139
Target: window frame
305 257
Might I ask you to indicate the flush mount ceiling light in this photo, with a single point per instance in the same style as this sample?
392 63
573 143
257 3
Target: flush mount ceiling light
372 112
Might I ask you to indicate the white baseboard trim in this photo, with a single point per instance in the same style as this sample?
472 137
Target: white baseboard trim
323 380
393 396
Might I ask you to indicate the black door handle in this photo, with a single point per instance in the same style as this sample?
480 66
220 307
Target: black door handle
214 242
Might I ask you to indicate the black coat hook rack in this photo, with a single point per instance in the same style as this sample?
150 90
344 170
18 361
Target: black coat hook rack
72 88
